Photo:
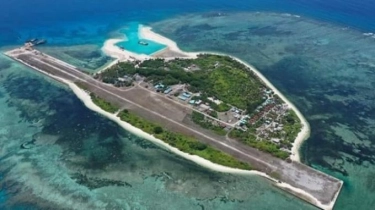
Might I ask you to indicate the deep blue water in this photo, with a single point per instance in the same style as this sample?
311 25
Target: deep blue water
88 22
2 192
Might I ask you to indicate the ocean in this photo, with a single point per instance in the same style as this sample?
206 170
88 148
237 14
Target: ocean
315 52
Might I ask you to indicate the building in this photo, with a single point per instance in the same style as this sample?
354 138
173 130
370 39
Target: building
168 90
159 86
275 140
186 95
182 97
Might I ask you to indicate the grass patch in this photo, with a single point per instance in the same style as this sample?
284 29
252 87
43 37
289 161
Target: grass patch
223 107
263 145
199 119
275 175
182 142
81 85
103 104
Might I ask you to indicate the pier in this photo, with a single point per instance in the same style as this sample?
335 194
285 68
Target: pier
313 186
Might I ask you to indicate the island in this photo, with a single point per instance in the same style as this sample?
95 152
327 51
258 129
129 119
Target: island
212 109
224 96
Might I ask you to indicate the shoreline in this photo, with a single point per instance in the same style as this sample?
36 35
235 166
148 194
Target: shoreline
146 32
305 131
116 52
86 99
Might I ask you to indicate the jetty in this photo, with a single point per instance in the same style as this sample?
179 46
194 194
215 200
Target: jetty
306 183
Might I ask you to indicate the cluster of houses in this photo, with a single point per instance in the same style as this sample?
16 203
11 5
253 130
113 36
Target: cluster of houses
238 116
269 127
237 113
195 102
266 106
260 114
271 113
124 81
272 123
160 87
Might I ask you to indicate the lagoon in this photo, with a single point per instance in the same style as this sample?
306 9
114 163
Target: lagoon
132 39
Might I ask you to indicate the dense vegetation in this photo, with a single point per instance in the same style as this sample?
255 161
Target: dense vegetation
265 146
119 70
199 119
184 143
291 127
103 104
214 75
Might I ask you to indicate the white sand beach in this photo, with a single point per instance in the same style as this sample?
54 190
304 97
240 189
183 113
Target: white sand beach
307 196
146 33
116 52
110 48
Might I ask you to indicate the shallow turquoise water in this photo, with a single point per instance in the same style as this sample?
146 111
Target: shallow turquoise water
88 57
131 31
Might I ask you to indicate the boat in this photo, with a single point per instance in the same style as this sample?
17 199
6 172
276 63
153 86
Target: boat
143 43
31 40
36 41
39 42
